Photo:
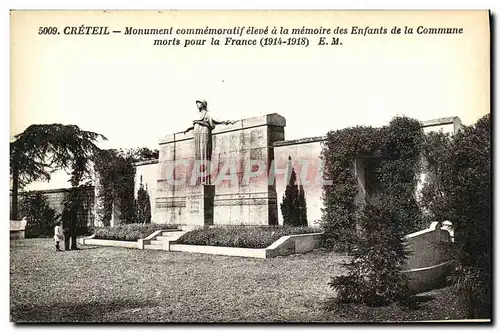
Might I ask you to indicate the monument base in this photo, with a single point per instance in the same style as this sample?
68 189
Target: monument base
200 205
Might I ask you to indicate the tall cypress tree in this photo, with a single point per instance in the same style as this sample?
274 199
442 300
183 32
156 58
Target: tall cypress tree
143 205
302 206
290 206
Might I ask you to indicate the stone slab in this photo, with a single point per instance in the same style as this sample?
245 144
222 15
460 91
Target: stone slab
226 251
428 278
111 243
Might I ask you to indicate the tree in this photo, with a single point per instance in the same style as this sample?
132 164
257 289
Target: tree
460 191
293 207
41 149
40 217
302 218
375 272
146 153
143 205
116 172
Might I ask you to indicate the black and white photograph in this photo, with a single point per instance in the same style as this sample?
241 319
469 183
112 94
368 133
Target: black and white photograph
250 166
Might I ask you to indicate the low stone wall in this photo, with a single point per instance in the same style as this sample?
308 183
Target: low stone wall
294 244
17 229
427 278
110 243
284 246
429 263
225 251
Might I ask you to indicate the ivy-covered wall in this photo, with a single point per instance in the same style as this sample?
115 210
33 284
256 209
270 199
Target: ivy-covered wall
309 150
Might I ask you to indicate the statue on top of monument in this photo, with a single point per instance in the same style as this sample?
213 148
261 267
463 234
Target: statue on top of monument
203 137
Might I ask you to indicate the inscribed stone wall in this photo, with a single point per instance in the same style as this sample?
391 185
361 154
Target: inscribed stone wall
238 149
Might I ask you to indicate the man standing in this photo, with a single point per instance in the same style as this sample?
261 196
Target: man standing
69 221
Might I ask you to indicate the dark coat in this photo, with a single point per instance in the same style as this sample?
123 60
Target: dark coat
69 219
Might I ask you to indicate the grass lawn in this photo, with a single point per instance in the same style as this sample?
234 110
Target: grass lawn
98 284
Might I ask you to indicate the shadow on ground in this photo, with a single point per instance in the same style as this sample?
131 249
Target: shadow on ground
71 312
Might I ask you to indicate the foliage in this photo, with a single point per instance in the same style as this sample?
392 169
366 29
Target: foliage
391 160
339 152
398 173
41 219
374 273
129 232
116 172
143 205
78 196
459 190
41 149
116 175
302 217
145 154
377 247
138 154
472 284
241 236
293 208
435 152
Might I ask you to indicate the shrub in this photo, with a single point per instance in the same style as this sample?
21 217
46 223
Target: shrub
374 272
116 185
293 208
472 285
241 236
129 232
460 191
143 205
41 219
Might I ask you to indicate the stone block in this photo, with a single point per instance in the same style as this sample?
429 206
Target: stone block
275 134
200 205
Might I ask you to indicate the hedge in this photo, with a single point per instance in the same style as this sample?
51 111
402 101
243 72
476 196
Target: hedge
129 232
241 236
459 190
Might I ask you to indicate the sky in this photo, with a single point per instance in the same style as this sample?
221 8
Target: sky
134 93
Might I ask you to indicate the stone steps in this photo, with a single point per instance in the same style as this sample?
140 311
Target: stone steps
167 238
161 241
172 233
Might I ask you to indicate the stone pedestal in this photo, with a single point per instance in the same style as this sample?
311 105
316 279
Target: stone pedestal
200 205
